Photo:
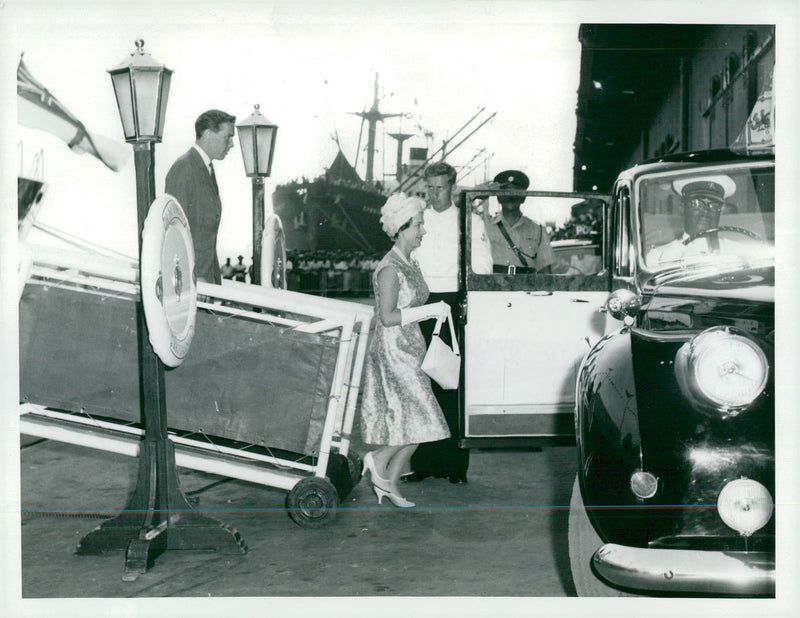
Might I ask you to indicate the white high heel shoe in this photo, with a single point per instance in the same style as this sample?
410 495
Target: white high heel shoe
382 486
396 499
369 464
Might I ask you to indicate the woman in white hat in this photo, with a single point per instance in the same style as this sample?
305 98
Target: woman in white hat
398 409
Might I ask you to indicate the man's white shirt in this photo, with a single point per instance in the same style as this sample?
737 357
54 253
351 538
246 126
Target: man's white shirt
204 156
438 255
676 250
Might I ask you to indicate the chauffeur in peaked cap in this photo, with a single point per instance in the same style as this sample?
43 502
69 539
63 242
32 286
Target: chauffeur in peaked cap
702 200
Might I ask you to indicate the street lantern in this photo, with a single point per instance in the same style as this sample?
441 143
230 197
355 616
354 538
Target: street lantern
141 86
257 140
158 516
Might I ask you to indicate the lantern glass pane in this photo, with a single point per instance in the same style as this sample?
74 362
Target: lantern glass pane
146 84
248 148
122 89
165 82
265 137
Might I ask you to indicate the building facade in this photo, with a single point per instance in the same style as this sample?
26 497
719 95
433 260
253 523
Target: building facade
647 90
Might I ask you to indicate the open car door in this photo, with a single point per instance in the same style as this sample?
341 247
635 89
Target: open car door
525 335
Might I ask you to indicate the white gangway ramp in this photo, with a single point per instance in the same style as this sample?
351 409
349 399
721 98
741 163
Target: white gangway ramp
266 394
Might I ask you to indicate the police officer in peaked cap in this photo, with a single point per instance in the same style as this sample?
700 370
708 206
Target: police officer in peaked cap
519 244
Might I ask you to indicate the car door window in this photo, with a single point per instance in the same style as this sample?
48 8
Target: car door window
569 230
620 231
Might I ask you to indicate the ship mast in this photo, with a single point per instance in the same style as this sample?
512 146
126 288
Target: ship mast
373 117
444 148
400 137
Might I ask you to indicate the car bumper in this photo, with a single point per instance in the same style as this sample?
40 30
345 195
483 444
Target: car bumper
687 571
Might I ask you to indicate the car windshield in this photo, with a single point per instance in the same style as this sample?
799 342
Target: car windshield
709 214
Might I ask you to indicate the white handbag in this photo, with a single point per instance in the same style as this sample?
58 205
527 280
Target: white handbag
441 362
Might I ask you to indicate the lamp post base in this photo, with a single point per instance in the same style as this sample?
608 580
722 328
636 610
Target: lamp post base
192 532
145 530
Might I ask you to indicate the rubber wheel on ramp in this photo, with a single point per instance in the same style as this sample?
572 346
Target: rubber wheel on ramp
355 465
312 502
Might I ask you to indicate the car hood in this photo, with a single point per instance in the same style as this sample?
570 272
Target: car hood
729 279
693 299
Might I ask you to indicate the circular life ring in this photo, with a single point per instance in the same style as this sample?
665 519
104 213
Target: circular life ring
168 281
273 254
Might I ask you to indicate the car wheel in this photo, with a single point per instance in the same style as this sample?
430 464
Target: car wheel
583 542
312 502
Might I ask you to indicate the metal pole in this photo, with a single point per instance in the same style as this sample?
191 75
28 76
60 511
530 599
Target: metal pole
258 227
151 370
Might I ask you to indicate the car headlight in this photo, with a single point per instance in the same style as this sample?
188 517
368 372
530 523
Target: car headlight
721 369
745 505
643 484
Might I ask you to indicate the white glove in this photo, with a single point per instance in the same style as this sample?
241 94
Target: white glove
424 312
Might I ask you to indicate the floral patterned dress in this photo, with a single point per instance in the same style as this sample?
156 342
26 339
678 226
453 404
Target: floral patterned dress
398 406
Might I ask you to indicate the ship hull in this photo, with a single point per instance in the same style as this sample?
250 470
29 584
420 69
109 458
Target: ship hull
329 216
29 193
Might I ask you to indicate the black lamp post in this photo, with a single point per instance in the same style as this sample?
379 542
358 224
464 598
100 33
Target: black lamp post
257 140
158 516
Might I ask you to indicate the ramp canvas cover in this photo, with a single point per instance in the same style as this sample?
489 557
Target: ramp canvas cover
243 380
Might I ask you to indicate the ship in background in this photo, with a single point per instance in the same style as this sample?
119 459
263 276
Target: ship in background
30 191
340 211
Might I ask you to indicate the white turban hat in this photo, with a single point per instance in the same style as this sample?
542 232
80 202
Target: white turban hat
399 209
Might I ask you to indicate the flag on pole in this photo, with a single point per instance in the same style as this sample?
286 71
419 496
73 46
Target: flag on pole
38 109
758 134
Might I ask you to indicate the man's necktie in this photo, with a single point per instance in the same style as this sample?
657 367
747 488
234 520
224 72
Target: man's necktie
213 177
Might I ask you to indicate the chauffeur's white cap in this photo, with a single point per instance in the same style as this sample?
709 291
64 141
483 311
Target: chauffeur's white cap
719 186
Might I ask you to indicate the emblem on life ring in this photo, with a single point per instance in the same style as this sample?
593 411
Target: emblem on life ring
169 288
273 254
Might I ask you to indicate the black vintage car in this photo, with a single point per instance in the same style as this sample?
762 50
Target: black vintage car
674 412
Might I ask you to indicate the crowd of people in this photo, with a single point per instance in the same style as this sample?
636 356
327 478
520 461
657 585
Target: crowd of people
331 273
585 225
325 273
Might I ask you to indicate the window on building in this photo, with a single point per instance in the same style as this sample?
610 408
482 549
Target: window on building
749 45
732 64
716 86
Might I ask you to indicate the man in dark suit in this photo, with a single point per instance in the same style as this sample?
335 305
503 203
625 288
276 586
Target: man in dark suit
191 181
